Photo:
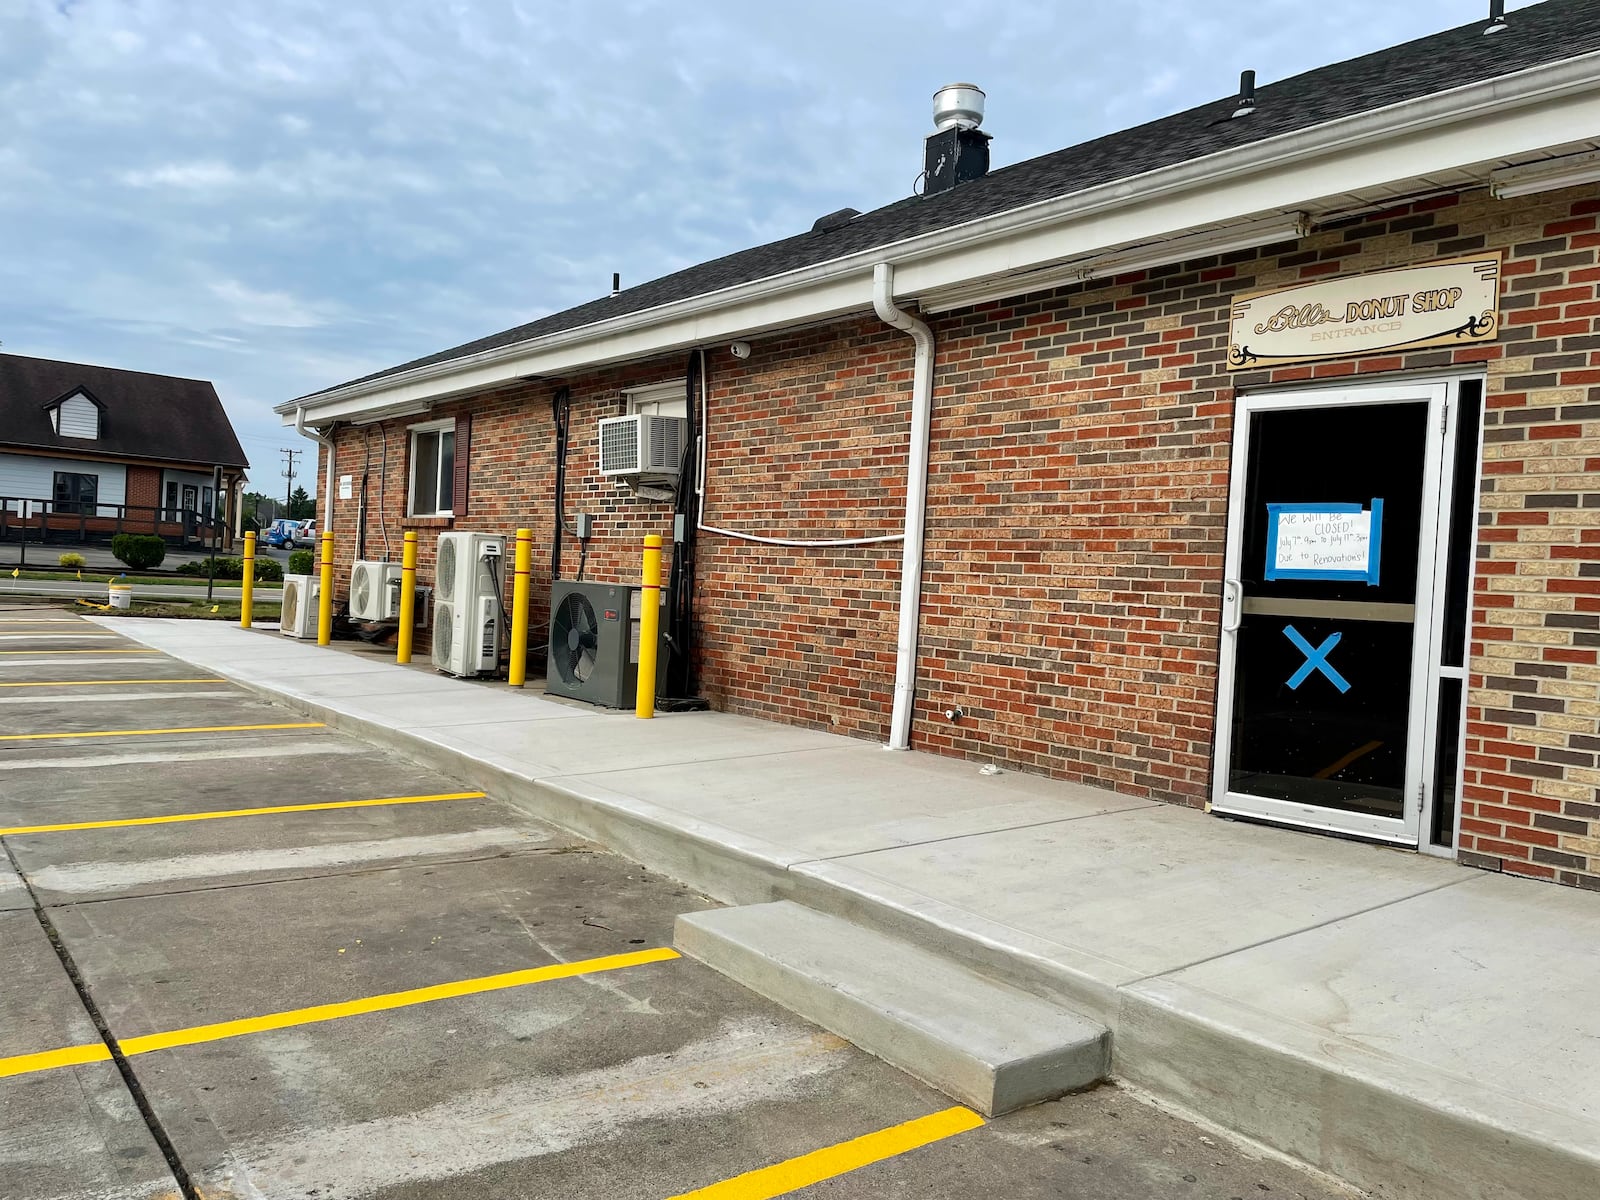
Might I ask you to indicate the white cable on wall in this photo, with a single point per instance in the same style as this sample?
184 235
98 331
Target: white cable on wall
700 498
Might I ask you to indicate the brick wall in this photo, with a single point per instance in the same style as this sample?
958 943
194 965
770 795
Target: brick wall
1077 518
144 487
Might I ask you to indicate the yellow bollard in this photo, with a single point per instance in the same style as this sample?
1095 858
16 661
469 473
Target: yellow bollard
517 674
325 601
247 581
649 627
408 597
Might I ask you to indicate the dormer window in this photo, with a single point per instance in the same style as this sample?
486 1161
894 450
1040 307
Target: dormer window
76 416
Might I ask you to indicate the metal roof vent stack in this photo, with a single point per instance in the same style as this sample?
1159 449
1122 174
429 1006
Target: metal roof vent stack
616 283
1247 94
1497 17
957 151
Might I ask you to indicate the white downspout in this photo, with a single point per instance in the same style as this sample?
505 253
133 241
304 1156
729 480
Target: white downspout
905 672
325 517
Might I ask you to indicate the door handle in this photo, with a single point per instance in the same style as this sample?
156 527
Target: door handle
1232 605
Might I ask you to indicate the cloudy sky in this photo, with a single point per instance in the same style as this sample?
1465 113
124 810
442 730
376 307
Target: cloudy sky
281 196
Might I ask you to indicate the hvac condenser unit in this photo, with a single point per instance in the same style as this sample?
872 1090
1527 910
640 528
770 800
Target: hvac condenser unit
467 619
641 444
594 642
300 595
375 591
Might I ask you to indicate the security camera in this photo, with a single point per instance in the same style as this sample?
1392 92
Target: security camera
740 349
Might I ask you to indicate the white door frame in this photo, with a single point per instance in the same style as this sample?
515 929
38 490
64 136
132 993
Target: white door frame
1409 829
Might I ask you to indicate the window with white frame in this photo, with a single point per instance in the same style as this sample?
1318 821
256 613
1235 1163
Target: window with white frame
433 469
659 399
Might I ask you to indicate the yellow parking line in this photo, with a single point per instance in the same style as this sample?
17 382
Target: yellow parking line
106 682
49 1060
69 1056
96 651
42 737
795 1173
217 814
381 1003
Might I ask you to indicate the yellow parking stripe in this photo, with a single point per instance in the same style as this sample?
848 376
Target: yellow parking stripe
219 814
44 737
106 682
48 1060
371 1004
38 652
69 1056
796 1173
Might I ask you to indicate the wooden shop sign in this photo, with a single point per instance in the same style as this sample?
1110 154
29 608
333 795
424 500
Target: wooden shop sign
1454 302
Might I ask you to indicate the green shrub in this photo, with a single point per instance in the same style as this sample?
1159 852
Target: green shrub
72 560
141 551
301 562
268 570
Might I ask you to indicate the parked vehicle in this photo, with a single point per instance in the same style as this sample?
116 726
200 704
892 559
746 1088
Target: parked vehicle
281 533
306 535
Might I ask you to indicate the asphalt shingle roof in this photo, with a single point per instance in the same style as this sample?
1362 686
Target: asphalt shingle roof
142 415
1540 34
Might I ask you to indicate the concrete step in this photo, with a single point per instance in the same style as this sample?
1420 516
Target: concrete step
983 1043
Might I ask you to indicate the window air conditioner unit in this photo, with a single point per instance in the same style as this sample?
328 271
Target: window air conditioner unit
641 444
375 591
467 620
300 595
594 642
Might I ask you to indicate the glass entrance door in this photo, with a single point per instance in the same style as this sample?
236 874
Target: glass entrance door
1328 609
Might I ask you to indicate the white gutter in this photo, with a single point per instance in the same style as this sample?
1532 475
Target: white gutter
325 517
905 668
1486 113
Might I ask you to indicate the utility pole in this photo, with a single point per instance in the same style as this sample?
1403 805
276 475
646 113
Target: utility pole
288 492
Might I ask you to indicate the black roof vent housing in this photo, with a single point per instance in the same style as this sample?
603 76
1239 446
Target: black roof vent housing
1247 95
957 151
1497 17
828 222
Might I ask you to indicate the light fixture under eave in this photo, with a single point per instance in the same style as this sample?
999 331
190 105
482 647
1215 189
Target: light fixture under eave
1098 265
1548 176
1179 250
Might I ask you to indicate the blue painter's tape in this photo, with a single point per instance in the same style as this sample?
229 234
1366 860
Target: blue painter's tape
1316 659
1369 576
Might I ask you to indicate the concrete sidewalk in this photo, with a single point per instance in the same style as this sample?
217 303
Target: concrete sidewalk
1415 1027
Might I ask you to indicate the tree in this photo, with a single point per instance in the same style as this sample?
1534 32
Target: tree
259 510
301 506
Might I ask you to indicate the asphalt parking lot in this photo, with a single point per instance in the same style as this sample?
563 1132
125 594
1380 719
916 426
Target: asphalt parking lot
242 955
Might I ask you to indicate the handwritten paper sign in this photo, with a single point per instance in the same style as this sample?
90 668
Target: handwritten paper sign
1335 542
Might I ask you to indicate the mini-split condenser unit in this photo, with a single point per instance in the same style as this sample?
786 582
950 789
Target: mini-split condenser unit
300 595
641 444
468 623
594 642
375 591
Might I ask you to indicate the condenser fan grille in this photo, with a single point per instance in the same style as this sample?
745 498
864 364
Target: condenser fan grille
447 567
361 589
444 636
574 639
291 605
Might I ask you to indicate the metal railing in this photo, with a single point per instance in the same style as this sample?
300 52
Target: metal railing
32 521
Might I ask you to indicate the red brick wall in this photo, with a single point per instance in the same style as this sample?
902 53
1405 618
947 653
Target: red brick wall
1077 516
144 487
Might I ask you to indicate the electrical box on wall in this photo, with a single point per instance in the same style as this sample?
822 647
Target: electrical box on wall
641 444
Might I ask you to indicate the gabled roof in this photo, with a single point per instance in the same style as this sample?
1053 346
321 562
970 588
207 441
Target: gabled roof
143 416
1538 35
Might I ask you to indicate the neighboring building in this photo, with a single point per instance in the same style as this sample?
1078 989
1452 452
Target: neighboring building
1262 458
87 452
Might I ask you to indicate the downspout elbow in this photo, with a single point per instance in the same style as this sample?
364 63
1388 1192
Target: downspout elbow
905 683
321 439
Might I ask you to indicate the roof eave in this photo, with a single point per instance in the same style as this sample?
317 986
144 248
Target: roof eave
1515 113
